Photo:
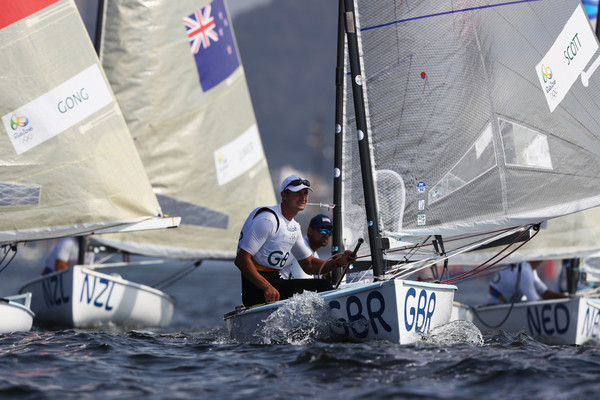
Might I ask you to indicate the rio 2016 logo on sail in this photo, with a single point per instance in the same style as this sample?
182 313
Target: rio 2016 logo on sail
16 121
23 132
547 75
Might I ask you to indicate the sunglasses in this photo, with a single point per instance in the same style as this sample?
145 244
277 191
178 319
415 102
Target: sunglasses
325 231
297 182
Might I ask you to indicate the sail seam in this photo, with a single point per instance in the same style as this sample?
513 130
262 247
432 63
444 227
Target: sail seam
446 13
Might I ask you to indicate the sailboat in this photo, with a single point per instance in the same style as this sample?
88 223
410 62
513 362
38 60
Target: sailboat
386 309
572 241
69 165
474 129
16 313
190 114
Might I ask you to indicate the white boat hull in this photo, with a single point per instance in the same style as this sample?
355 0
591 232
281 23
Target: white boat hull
392 310
15 314
83 298
561 321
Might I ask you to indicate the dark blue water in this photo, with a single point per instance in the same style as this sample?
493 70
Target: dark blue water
194 358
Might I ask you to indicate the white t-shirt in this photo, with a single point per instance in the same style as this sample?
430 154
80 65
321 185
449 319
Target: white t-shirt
505 281
270 243
66 250
293 270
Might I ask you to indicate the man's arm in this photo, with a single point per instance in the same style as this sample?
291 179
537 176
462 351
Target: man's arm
549 294
59 265
243 261
316 266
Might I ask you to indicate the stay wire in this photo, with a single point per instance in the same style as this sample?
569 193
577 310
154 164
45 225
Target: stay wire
478 269
483 266
430 262
7 250
178 275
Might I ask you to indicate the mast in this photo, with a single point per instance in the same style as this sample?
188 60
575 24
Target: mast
82 242
336 240
363 142
99 27
597 16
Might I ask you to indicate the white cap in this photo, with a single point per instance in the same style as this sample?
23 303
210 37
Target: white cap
295 183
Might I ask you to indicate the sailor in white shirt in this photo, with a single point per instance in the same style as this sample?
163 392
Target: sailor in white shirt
519 282
267 238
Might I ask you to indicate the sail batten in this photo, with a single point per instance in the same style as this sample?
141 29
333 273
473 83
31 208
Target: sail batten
366 28
463 137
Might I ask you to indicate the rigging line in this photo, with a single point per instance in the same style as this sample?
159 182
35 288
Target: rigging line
486 238
399 273
336 255
410 250
447 240
416 247
513 300
406 271
430 262
453 239
447 13
479 269
6 252
171 279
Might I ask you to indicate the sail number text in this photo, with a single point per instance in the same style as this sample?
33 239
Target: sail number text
555 319
95 291
98 293
355 319
418 310
361 320
54 293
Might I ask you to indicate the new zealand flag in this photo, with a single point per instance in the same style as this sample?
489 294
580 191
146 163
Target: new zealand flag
212 44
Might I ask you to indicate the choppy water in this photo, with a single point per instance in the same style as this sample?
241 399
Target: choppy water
194 358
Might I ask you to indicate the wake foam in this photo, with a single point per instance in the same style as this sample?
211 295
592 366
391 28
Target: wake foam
302 319
454 332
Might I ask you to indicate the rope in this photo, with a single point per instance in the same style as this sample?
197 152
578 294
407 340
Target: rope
482 267
7 250
401 272
336 255
513 300
171 279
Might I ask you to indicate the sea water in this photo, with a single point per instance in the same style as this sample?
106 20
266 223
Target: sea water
194 357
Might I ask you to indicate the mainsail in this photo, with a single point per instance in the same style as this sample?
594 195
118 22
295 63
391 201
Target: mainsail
465 134
176 72
68 162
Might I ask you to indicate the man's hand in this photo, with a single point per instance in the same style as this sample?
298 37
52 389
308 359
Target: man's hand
271 294
347 258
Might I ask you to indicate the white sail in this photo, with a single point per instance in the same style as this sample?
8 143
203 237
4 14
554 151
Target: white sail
176 72
463 138
68 164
